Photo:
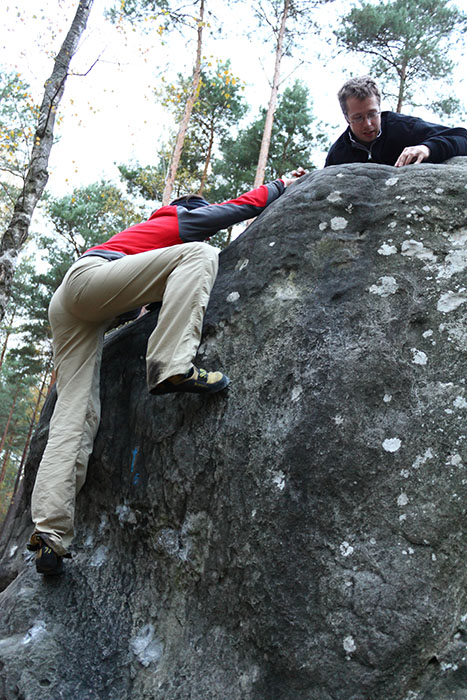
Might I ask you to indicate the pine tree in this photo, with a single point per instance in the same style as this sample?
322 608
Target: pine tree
408 42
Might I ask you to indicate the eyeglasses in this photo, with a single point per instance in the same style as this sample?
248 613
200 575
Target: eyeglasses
371 116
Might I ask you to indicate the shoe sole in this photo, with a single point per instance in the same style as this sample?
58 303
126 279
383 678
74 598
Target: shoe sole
191 387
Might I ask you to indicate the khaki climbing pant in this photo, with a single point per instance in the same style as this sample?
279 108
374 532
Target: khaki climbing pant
93 292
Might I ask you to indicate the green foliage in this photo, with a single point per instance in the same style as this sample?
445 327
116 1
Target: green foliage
148 181
161 15
408 40
219 105
447 106
18 399
219 102
89 215
18 117
139 10
293 139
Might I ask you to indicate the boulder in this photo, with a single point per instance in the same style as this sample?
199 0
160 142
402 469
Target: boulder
302 535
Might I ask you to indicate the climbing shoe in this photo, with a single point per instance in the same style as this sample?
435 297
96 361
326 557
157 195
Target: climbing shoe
195 381
47 561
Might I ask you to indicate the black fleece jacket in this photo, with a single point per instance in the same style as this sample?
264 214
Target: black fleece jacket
397 132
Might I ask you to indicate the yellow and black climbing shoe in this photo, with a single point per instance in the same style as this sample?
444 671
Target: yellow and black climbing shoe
196 381
47 561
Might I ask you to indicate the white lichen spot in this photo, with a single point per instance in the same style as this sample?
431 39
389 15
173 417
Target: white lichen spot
338 223
272 244
392 224
421 459
445 666
416 249
297 391
323 226
391 444
455 460
391 181
146 647
458 237
433 557
244 263
104 522
387 286
455 262
402 517
287 292
125 514
427 334
346 549
278 480
426 208
372 540
460 402
451 301
232 297
99 557
439 190
418 357
387 398
405 473
34 633
387 249
349 644
334 196
339 175
412 695
402 500
338 420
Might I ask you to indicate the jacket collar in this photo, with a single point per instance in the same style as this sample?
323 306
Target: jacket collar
356 144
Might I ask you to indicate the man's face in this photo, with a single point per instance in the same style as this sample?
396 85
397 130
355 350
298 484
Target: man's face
364 118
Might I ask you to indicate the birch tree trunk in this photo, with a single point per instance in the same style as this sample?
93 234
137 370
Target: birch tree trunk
37 174
177 152
266 140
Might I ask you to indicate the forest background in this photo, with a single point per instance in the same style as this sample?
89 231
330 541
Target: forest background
126 95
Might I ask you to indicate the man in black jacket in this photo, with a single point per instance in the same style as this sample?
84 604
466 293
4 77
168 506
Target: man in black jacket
389 137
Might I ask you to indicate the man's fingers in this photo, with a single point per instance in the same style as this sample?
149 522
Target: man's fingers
412 154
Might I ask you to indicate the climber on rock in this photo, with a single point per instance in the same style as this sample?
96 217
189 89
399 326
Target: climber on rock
389 137
163 259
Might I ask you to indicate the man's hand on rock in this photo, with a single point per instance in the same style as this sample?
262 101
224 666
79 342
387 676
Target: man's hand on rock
412 154
295 175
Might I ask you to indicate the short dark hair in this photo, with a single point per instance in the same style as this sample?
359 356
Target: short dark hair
361 88
190 201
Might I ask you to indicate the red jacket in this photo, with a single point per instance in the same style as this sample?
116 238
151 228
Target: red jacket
173 225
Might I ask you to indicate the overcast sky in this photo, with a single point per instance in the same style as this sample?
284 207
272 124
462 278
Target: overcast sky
110 115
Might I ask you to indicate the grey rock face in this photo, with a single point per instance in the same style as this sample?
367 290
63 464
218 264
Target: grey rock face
301 537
